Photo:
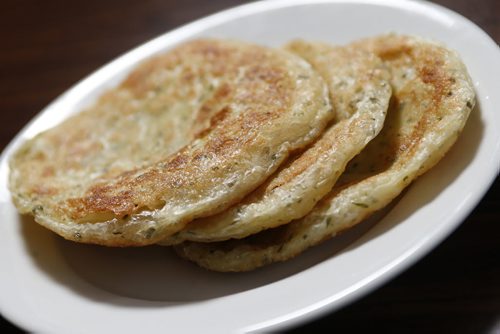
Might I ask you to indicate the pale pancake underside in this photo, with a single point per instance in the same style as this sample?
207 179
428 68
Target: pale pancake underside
433 96
360 92
186 135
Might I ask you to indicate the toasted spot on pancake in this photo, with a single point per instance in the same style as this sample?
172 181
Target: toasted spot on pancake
181 137
423 122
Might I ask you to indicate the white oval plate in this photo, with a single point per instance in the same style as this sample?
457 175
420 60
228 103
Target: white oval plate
51 285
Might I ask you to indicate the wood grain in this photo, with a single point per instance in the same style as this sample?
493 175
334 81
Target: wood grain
49 45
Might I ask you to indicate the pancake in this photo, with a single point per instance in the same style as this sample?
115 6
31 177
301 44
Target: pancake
360 91
432 99
186 135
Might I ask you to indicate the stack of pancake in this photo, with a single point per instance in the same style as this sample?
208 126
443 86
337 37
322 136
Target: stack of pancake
239 155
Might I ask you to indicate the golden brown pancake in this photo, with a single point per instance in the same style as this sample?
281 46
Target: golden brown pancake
186 135
433 96
360 92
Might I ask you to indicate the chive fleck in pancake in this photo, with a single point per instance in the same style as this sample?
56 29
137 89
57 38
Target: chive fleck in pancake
433 96
186 135
360 92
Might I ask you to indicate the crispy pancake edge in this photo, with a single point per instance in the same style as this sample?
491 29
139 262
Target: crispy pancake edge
451 98
237 152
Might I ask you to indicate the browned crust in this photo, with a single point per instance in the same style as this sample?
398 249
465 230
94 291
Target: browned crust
440 95
232 96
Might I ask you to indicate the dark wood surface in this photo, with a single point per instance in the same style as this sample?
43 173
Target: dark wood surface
47 46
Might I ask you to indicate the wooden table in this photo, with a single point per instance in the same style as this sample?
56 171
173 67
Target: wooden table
46 46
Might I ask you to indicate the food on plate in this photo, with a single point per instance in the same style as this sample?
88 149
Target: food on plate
360 91
186 135
242 155
432 98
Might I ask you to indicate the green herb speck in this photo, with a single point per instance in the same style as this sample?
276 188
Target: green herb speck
149 232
